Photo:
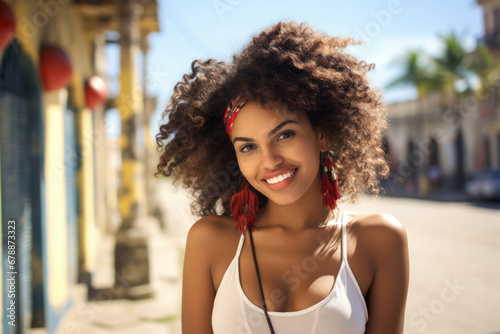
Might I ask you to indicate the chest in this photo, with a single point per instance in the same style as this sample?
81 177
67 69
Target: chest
295 274
290 281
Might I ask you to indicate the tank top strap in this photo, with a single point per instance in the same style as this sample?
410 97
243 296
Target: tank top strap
344 237
240 245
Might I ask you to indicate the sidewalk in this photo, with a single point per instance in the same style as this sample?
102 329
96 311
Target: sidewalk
438 196
157 315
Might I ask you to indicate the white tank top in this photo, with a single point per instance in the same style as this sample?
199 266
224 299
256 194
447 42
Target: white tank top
342 311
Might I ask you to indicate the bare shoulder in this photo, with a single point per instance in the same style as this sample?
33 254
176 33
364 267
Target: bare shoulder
210 234
198 289
210 228
378 224
379 234
210 225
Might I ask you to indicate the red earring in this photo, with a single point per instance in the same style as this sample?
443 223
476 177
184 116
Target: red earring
239 202
329 184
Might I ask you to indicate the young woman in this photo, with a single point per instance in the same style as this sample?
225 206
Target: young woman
270 145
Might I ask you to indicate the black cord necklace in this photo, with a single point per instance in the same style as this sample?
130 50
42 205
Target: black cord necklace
260 284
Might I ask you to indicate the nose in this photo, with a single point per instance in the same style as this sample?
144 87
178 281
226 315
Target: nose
271 157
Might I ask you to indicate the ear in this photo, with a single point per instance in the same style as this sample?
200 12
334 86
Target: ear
323 142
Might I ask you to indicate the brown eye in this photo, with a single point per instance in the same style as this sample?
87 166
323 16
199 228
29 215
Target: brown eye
245 148
286 134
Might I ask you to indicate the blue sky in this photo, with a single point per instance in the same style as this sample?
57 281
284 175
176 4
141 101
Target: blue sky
219 28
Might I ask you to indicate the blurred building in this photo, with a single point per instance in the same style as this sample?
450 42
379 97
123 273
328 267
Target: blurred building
56 195
436 145
488 142
491 19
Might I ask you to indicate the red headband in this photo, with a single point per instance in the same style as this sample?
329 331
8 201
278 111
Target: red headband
233 108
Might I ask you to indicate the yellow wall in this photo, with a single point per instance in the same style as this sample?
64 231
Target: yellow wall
55 182
64 27
29 25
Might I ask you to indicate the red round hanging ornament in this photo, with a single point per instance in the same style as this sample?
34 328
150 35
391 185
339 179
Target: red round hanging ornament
7 25
55 67
96 92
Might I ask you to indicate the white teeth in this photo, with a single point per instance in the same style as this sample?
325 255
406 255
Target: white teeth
280 178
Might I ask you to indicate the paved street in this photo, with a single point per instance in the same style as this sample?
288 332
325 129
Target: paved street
454 283
455 264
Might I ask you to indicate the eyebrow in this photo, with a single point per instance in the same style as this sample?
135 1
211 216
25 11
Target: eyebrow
272 132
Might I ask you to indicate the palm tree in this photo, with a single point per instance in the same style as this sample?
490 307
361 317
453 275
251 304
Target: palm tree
417 73
452 63
485 67
420 73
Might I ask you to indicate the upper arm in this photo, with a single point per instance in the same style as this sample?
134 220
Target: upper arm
198 292
386 298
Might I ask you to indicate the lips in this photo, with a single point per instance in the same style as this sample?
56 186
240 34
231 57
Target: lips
278 172
284 183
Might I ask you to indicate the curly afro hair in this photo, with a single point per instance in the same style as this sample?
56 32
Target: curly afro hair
288 64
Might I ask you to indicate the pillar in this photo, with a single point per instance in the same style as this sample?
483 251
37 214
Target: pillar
131 249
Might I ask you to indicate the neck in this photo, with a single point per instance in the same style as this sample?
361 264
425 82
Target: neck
307 213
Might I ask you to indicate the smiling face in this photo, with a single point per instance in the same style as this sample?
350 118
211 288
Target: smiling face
277 151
